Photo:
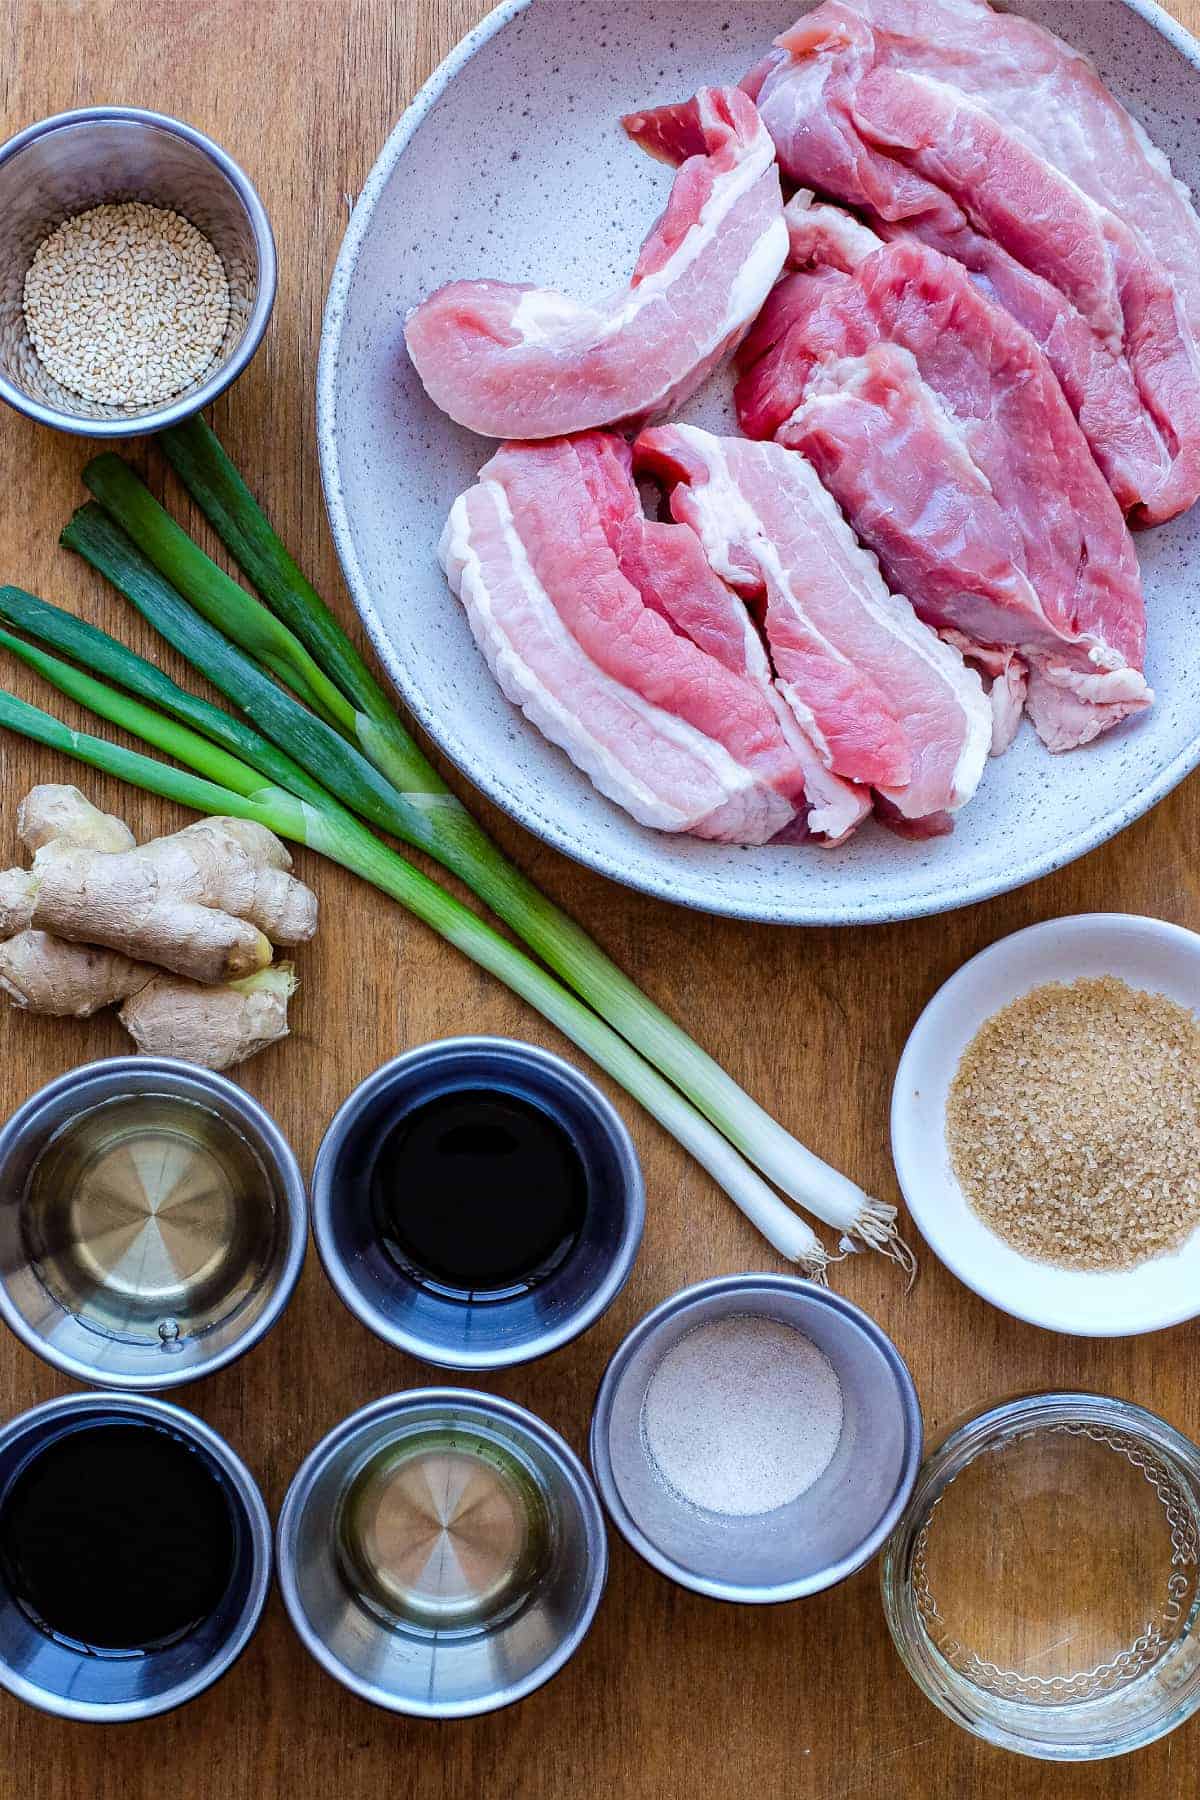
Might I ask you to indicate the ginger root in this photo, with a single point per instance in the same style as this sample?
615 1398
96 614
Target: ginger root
179 929
234 1021
55 813
45 974
199 903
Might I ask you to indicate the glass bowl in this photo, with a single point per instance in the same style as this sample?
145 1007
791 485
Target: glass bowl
1043 1584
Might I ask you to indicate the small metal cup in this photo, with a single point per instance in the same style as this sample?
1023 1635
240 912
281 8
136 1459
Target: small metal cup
245 1272
76 1684
489 1333
819 1538
101 154
447 1670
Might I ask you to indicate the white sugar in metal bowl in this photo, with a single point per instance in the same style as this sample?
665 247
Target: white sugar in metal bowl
1145 953
511 162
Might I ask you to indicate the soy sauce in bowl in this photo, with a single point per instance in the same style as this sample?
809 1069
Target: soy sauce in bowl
477 1203
117 1539
479 1194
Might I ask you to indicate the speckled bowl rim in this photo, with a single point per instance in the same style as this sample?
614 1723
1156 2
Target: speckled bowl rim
691 890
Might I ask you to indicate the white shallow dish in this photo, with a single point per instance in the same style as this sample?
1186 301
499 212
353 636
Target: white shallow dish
1146 953
511 162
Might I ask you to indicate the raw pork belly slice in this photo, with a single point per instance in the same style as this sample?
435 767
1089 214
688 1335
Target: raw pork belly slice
907 109
896 463
679 739
957 460
1054 231
1050 95
667 565
526 362
1077 551
1098 384
884 699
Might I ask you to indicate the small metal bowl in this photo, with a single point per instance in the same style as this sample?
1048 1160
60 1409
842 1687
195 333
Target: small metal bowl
819 1538
493 1332
74 1683
103 154
176 1305
449 1669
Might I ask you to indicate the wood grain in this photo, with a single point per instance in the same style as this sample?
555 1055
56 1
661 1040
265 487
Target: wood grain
670 1693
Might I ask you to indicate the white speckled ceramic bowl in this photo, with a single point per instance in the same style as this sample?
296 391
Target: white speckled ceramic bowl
510 162
1147 953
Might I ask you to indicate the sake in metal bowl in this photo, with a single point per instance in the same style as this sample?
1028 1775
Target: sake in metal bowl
148 1271
419 1650
93 157
831 1529
74 1683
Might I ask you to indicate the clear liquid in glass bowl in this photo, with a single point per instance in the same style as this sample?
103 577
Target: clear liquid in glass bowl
1044 1586
1029 1588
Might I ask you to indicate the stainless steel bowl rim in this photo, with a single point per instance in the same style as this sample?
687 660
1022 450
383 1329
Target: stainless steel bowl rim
143 1069
172 412
944 1463
396 1406
258 1519
697 1297
450 1050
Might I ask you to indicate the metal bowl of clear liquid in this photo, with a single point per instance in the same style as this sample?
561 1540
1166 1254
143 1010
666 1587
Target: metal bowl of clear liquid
442 1553
153 1223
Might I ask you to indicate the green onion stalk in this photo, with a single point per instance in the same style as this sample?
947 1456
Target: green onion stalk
379 770
222 785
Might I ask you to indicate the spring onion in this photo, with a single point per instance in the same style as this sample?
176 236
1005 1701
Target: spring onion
277 714
429 815
333 832
88 645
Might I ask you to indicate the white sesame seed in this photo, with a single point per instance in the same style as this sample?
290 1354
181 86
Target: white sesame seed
126 304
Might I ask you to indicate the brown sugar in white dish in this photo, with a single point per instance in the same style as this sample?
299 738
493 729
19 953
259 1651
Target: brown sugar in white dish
1073 1124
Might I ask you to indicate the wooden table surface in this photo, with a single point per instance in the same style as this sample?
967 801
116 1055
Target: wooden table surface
670 1692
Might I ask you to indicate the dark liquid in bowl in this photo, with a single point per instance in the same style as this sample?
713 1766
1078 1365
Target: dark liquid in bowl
478 1193
117 1539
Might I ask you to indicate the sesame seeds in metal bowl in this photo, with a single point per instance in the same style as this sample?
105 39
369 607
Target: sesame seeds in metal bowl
137 271
126 304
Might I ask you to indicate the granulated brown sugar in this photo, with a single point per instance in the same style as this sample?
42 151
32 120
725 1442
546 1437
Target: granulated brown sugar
1073 1124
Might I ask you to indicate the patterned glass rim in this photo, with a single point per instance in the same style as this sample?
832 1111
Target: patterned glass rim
1094 1717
